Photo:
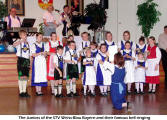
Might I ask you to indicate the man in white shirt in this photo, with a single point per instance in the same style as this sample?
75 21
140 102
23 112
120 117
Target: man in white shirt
12 21
49 21
162 43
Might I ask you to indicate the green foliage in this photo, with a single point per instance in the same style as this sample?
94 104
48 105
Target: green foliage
148 16
3 10
41 28
97 14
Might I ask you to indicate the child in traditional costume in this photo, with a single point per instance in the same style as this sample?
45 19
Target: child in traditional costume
141 46
53 43
129 57
39 74
118 87
71 58
23 62
103 77
58 72
90 73
153 59
140 72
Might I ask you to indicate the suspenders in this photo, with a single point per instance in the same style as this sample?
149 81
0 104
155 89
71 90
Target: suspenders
21 49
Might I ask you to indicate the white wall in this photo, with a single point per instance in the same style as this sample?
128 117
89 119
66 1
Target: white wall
121 16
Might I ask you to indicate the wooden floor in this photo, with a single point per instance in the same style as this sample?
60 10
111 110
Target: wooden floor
145 104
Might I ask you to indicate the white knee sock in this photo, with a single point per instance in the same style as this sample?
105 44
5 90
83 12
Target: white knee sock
68 88
154 87
85 88
52 84
74 87
105 89
129 86
20 86
141 87
55 90
60 88
92 87
101 89
108 88
71 86
137 86
150 87
24 86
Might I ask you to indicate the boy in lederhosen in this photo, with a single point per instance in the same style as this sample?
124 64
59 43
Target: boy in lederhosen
58 72
71 58
23 62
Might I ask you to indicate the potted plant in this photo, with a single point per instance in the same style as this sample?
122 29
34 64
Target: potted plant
148 16
3 10
98 16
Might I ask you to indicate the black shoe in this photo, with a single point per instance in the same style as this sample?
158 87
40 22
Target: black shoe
150 91
153 91
142 92
52 93
128 105
105 94
57 96
129 92
85 95
61 95
137 92
69 95
75 95
26 94
102 94
39 94
21 95
92 94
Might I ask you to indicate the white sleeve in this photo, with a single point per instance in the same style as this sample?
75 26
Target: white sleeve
33 49
119 44
133 54
134 46
7 20
84 60
158 54
98 57
55 60
67 56
146 64
47 47
45 16
135 63
109 66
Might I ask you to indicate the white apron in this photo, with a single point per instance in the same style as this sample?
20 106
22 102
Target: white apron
129 67
90 75
40 69
151 68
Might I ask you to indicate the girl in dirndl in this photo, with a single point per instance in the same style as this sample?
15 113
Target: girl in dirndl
141 46
39 74
51 48
118 87
108 41
89 74
140 72
129 57
153 58
103 77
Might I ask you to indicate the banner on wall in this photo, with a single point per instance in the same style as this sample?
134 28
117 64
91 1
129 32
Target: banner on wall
45 3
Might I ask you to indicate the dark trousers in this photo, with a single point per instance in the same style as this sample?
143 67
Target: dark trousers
164 63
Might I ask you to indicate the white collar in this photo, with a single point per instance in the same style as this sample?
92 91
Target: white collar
140 60
109 43
95 50
103 54
127 51
118 67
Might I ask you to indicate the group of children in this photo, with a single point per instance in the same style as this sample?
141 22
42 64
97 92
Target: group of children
134 63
